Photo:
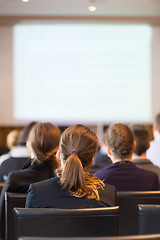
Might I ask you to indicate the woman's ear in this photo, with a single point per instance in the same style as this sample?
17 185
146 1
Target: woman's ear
109 152
59 158
155 127
91 162
134 146
58 155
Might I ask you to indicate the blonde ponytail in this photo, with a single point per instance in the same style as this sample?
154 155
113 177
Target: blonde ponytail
72 174
78 181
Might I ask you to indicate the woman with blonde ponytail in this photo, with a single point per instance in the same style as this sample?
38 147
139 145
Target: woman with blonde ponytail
74 186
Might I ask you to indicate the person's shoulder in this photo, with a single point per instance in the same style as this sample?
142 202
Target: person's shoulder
105 172
101 156
18 176
13 175
108 194
45 188
147 173
7 161
12 161
51 182
104 169
4 157
155 167
109 188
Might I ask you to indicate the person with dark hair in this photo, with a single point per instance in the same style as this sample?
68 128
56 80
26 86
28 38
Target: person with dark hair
74 186
19 155
22 140
101 158
123 173
153 152
141 136
43 142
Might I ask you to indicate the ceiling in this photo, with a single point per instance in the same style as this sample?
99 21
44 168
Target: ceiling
107 8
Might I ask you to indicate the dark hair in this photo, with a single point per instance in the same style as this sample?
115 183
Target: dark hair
120 140
141 136
44 141
157 121
77 147
24 134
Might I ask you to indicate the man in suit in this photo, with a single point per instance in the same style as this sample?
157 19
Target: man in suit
141 136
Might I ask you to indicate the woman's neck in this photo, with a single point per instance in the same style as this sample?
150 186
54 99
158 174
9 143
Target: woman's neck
115 160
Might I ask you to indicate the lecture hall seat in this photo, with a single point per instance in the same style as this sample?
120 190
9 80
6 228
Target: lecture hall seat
131 237
128 203
12 200
50 222
148 219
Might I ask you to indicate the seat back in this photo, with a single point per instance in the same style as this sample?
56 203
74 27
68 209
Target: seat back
131 237
12 200
148 219
47 222
128 203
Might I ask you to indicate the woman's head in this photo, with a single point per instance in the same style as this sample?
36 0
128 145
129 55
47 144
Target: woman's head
77 147
78 140
24 134
12 138
120 141
43 141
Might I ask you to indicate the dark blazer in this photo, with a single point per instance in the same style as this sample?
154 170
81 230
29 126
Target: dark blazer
19 182
147 164
125 176
100 160
12 164
50 194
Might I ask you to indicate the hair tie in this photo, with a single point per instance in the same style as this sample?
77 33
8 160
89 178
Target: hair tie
74 152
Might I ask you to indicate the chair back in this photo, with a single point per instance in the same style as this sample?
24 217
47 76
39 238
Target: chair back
131 237
148 219
51 222
12 200
128 203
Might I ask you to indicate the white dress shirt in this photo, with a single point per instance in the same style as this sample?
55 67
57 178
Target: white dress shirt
153 153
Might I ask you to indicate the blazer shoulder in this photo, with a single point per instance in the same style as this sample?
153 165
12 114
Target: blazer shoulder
109 195
46 184
41 194
18 176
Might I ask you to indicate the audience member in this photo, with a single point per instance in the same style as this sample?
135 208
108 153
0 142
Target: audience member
153 153
43 142
12 140
123 173
73 187
101 158
19 155
141 136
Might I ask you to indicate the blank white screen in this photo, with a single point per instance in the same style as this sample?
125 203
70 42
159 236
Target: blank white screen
92 73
